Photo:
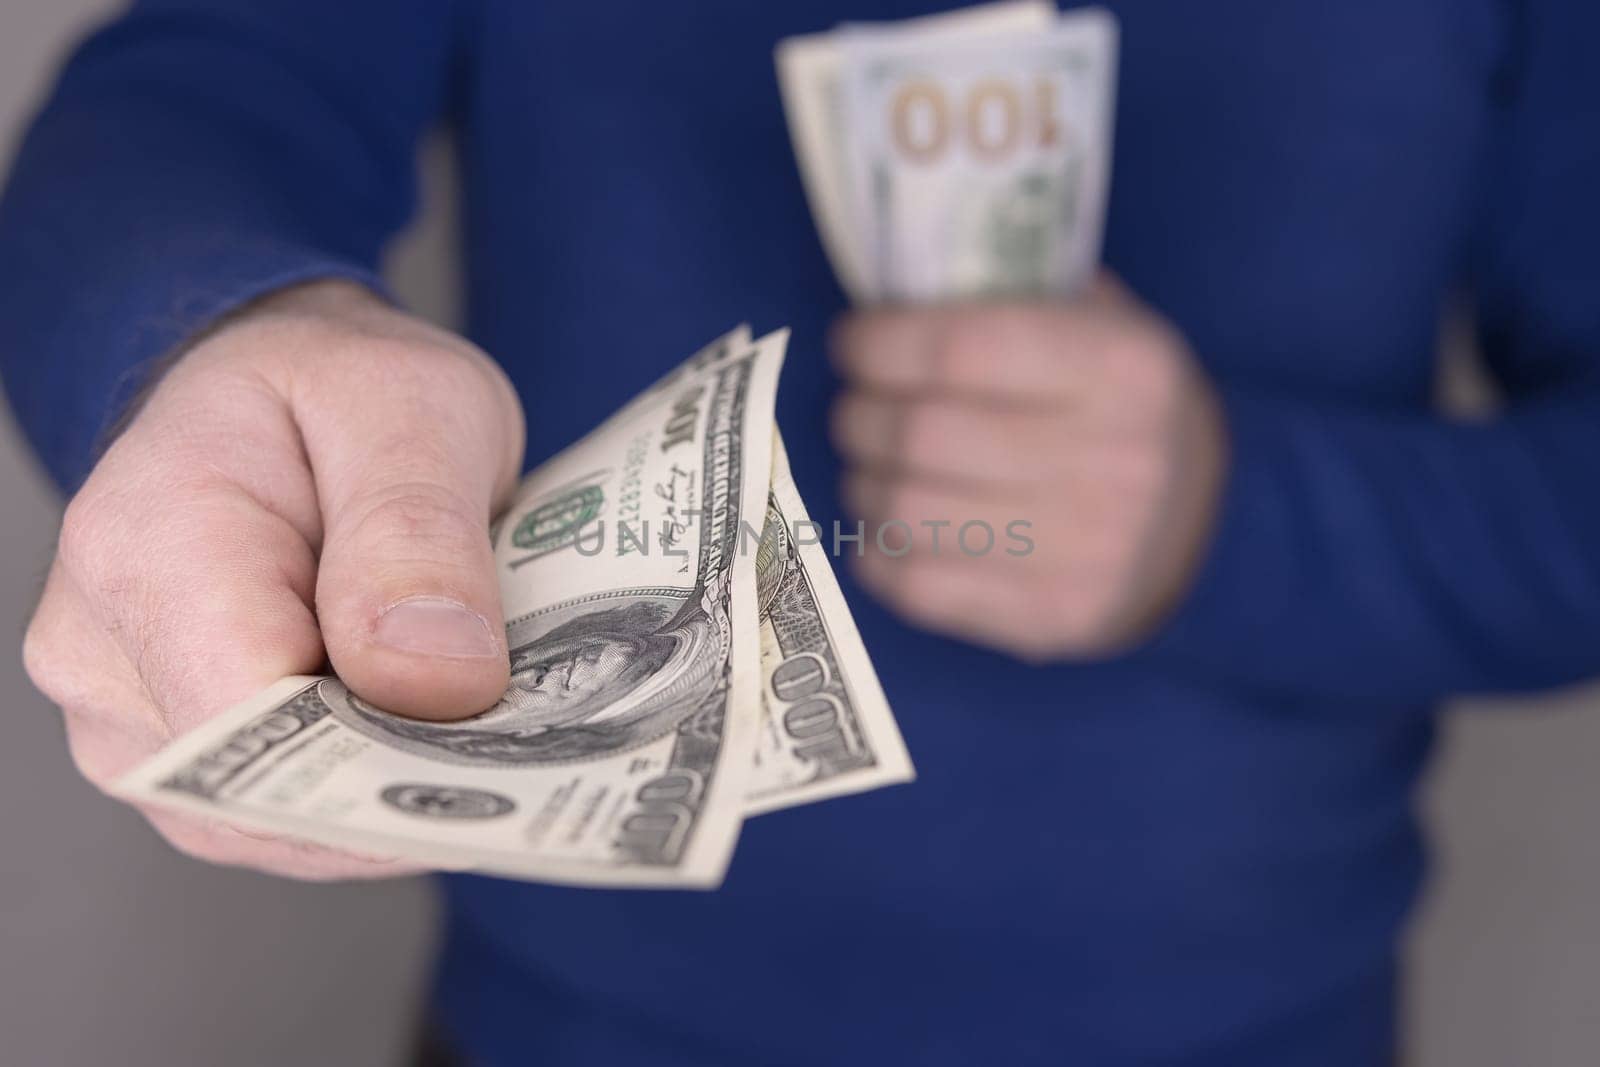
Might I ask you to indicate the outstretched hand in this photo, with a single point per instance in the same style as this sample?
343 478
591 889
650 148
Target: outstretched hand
311 482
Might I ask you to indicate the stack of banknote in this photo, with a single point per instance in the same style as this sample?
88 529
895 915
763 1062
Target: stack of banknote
681 658
964 155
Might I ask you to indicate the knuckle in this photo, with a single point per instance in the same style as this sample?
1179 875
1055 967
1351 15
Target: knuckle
387 364
453 387
108 537
430 370
417 517
82 543
924 429
111 541
964 352
42 659
471 374
54 671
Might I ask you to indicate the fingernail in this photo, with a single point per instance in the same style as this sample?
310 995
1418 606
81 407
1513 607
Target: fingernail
435 626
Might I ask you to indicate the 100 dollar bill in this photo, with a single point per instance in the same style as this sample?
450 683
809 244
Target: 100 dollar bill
979 166
811 77
960 155
826 726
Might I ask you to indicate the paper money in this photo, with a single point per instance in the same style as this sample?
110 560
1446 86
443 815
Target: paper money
622 752
826 725
964 155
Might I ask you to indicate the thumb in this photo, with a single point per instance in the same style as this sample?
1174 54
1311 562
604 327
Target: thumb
409 470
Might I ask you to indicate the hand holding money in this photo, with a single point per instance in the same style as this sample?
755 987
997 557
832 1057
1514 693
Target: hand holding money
1087 419
963 160
310 480
679 655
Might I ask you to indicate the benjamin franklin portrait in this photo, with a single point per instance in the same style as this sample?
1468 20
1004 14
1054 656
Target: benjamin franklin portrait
612 673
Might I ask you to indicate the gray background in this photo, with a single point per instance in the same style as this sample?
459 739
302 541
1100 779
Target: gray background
115 951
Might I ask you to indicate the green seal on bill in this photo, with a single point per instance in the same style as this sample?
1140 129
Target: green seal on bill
557 523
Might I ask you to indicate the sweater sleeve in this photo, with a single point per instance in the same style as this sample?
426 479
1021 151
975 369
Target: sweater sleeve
194 155
1369 558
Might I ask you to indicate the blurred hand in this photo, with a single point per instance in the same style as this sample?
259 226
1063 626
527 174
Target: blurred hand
1088 420
316 476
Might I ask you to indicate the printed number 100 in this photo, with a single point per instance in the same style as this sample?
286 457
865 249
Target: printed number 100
994 118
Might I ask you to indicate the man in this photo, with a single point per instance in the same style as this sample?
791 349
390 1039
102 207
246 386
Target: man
1165 760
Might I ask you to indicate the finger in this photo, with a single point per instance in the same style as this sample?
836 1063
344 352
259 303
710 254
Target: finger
408 593
219 843
906 517
1030 354
104 742
206 595
192 548
111 726
940 438
969 600
76 664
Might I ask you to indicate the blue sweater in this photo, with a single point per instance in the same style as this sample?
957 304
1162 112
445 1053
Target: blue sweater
1198 853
